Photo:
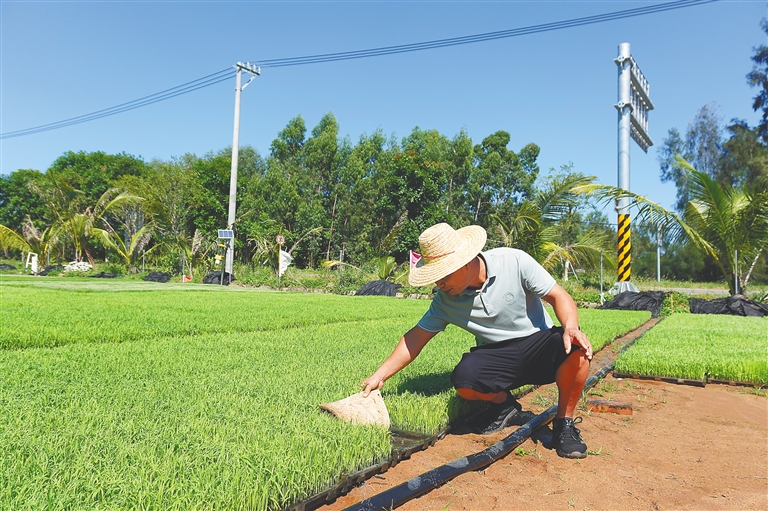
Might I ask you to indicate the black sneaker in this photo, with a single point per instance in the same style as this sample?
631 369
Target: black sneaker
566 438
498 416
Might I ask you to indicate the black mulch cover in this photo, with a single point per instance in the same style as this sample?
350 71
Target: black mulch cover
158 276
631 301
102 275
215 278
7 267
736 305
378 288
49 269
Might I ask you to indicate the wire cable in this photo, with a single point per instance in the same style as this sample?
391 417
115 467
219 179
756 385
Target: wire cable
225 74
489 36
205 81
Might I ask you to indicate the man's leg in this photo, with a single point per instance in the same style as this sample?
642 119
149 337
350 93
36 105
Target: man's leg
570 378
474 378
473 395
502 409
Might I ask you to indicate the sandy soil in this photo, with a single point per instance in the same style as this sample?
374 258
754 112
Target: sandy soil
682 448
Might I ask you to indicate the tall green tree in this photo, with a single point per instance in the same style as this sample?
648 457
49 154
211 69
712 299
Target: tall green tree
358 219
499 176
758 77
172 193
745 156
94 173
414 183
702 146
212 172
18 201
76 222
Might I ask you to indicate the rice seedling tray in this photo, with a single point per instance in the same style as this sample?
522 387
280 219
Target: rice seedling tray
404 445
732 383
681 381
194 370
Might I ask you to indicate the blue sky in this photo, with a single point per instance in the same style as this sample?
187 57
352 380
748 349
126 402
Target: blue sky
556 89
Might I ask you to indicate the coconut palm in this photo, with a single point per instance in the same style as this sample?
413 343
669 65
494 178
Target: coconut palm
129 253
11 240
31 239
79 227
267 251
730 224
41 242
542 227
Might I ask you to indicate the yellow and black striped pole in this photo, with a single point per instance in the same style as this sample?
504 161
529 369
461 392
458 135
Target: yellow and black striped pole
624 249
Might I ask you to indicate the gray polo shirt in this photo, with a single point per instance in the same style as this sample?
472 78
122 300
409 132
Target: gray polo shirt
508 305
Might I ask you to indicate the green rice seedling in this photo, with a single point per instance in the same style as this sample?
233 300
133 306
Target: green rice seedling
181 423
700 346
37 314
214 402
603 326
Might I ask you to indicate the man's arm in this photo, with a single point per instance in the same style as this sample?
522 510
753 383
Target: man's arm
568 315
407 349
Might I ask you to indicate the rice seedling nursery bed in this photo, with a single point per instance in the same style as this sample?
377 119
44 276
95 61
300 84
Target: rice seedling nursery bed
701 347
213 404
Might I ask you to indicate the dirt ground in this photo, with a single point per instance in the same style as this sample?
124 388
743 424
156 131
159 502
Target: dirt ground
683 447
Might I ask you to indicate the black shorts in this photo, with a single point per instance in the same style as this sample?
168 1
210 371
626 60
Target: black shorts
506 365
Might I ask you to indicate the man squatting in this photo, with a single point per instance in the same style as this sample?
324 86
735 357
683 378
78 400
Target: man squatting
497 296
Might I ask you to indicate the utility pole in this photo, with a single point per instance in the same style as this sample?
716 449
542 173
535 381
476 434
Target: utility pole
658 252
255 71
633 106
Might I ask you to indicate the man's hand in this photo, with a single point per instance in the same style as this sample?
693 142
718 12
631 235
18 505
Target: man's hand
407 349
568 315
373 382
574 336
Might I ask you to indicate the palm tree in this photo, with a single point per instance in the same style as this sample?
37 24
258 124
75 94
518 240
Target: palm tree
11 240
267 251
131 252
541 227
31 239
79 227
41 242
730 224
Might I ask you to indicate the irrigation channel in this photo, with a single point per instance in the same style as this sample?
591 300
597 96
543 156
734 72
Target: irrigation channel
404 444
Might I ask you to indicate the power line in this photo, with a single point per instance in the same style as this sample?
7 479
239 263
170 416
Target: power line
225 74
489 36
184 88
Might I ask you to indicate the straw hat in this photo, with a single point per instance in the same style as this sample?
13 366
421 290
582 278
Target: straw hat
445 250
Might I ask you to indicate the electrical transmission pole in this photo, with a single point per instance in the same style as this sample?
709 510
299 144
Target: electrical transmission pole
254 71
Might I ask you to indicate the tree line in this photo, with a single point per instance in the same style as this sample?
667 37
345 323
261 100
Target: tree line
331 198
368 199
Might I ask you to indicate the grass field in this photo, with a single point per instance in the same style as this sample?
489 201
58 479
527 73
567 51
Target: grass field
150 396
700 346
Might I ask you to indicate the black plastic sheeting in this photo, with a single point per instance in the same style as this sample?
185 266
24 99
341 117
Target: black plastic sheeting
49 269
4 267
736 305
103 275
378 288
632 301
158 276
215 278
419 485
